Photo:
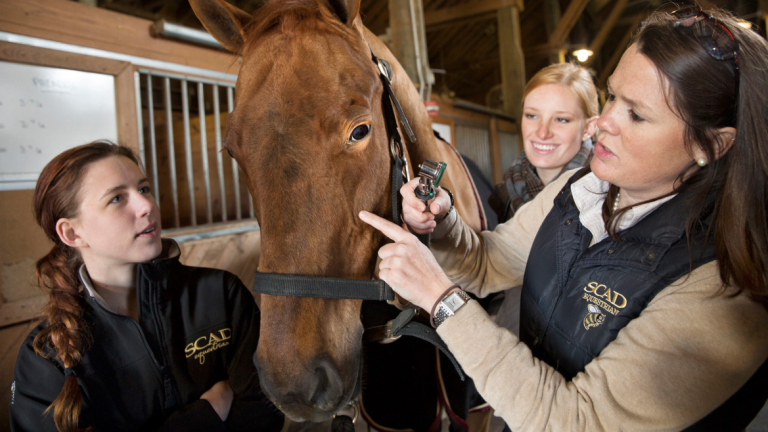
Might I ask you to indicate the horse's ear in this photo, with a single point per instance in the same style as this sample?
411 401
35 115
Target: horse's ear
223 21
346 10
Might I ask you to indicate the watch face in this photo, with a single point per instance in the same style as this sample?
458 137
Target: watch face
454 301
449 305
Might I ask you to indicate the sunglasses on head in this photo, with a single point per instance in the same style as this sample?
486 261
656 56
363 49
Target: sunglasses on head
716 39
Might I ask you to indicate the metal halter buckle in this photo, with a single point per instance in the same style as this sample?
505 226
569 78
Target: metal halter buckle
385 69
388 338
400 302
352 404
396 148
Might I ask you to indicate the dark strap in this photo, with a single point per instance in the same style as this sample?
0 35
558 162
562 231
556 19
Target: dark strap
386 78
397 183
403 325
291 285
429 334
389 99
394 137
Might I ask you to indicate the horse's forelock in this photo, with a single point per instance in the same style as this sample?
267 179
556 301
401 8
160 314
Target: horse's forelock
292 16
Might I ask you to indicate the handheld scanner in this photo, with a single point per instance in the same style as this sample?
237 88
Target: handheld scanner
430 174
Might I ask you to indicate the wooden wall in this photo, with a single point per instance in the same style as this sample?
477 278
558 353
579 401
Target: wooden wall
23 243
73 23
455 116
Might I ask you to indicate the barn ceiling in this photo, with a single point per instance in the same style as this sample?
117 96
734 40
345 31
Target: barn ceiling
465 50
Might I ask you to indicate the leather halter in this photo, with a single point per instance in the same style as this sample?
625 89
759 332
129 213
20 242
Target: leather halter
359 289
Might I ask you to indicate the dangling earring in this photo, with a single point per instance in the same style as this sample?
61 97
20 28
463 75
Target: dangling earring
701 162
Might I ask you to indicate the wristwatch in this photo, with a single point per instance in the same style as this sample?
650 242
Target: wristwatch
449 306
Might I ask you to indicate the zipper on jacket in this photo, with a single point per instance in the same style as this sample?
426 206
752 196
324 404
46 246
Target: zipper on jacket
161 369
170 400
172 394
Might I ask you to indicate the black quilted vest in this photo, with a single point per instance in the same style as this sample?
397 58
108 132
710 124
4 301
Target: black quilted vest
576 298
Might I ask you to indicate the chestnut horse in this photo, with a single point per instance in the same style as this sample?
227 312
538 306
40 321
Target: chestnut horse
308 132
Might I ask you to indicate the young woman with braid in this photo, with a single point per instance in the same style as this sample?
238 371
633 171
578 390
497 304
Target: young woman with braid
133 340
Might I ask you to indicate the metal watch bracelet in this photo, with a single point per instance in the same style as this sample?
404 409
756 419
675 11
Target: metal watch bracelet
448 305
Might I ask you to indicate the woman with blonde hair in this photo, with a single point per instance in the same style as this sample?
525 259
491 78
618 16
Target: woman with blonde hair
558 120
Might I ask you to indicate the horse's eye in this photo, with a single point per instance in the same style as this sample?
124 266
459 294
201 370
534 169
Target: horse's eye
230 152
360 132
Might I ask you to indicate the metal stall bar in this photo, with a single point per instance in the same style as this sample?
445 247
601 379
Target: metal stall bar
180 77
188 151
235 174
152 139
474 142
204 150
139 117
171 155
219 161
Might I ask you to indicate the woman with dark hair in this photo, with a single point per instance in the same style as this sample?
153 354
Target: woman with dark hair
132 340
644 277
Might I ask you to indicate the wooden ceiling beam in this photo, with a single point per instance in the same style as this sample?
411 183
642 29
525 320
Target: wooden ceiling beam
541 50
470 20
567 21
378 13
466 10
614 60
130 10
640 17
630 20
468 42
445 38
605 29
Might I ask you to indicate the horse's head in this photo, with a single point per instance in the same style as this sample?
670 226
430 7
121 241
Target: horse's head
308 131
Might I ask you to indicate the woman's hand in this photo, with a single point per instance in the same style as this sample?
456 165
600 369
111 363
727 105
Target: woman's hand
414 211
407 265
220 396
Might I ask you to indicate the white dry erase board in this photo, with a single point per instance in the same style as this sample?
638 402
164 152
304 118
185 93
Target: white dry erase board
444 130
44 111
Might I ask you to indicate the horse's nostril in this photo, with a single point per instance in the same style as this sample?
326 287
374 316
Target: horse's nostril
329 389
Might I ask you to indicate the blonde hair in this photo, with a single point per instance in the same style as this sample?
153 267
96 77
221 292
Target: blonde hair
575 77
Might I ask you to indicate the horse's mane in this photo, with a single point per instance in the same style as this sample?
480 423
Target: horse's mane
294 16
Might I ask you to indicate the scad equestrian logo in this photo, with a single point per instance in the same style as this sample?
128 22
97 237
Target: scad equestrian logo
602 299
206 344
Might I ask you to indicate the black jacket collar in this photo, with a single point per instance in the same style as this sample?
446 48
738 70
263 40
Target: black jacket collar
663 226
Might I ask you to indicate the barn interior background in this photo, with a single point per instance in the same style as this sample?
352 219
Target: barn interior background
169 98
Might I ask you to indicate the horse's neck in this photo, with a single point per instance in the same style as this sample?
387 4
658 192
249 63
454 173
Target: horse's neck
411 102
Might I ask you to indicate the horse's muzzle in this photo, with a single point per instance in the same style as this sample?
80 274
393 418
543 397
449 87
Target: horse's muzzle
315 395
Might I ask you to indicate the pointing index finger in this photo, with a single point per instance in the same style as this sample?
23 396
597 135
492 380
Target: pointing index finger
386 227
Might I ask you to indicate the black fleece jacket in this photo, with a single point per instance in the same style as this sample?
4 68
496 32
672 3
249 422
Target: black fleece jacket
196 327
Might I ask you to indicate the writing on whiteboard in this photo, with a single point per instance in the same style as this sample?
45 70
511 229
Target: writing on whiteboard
47 85
44 111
